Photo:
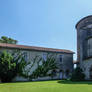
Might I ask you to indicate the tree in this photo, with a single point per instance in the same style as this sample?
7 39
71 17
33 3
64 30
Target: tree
43 70
10 65
78 75
5 39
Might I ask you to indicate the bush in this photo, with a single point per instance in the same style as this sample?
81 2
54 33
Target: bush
78 75
42 70
9 66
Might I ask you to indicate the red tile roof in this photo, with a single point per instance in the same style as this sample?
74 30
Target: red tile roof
5 45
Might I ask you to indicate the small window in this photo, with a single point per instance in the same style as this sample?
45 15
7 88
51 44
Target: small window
89 47
90 72
60 58
44 56
67 72
25 56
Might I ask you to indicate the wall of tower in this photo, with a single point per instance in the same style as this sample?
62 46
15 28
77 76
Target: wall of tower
84 45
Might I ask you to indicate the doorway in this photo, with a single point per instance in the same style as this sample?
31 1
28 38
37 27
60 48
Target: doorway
61 74
90 72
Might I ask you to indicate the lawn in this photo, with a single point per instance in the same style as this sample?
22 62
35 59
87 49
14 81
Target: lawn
47 86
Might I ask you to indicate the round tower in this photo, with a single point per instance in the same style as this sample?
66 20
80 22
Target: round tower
84 45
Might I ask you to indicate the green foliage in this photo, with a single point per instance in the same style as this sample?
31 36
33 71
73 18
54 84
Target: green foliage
7 67
10 65
5 39
78 75
30 65
42 70
18 58
13 64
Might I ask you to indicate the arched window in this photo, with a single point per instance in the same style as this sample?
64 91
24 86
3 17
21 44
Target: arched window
67 73
90 73
89 47
61 74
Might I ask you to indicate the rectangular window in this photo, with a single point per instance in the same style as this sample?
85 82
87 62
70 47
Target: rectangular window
89 47
44 56
25 56
60 58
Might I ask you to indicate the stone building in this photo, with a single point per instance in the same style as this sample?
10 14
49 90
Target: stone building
84 45
64 59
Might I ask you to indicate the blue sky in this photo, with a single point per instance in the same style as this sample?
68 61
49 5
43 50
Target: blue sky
47 23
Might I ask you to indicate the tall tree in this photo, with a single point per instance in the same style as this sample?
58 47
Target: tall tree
5 39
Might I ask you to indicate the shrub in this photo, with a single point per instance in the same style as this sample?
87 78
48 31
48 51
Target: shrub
9 65
42 70
78 75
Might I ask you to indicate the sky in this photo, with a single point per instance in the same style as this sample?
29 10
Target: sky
45 23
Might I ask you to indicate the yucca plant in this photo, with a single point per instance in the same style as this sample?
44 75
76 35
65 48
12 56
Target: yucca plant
42 70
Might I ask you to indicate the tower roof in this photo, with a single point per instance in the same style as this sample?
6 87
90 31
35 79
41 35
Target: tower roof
83 20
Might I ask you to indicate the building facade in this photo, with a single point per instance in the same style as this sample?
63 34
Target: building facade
84 45
64 59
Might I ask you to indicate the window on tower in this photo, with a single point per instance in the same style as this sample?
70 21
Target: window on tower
89 47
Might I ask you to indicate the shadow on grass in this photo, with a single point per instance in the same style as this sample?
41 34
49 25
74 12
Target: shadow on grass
58 81
74 82
28 81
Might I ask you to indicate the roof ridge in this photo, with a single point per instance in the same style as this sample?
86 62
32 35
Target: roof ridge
34 48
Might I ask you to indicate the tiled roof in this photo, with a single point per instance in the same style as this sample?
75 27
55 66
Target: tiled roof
5 45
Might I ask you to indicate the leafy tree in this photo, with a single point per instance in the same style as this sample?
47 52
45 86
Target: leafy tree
78 75
42 70
7 67
5 39
10 65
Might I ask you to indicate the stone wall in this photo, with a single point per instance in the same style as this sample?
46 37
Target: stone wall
86 66
84 33
66 64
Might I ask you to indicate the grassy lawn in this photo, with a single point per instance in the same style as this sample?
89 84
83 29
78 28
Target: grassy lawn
47 86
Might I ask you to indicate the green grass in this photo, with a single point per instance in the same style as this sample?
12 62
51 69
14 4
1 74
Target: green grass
47 86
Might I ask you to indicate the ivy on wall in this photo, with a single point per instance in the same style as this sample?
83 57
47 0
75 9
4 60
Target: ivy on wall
47 68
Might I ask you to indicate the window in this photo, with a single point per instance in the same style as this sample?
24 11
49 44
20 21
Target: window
67 72
89 50
25 56
44 56
60 58
90 72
